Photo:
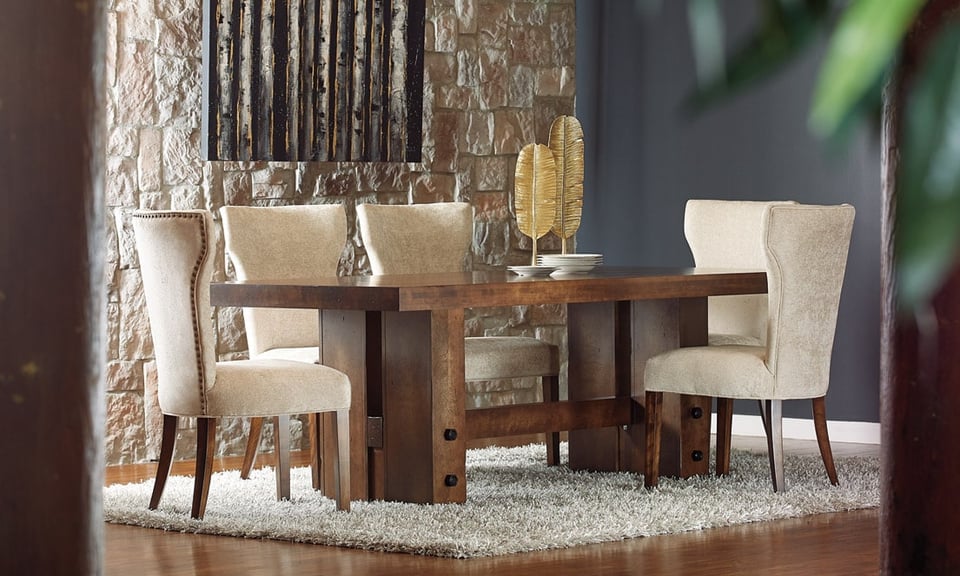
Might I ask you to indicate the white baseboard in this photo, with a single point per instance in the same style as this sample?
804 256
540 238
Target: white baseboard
802 429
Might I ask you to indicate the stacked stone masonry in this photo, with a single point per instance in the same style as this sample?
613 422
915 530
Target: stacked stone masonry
497 72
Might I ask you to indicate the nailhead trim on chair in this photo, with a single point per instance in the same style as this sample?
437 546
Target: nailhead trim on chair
194 281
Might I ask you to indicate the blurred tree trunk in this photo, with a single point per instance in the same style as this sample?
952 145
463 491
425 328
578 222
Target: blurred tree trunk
920 373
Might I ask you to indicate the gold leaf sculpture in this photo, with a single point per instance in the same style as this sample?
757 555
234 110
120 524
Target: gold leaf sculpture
535 200
566 142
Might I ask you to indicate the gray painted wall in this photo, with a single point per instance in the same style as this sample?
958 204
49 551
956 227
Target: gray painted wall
645 159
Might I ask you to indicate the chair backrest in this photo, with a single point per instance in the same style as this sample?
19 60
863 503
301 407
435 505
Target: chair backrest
806 256
417 238
727 234
281 243
176 264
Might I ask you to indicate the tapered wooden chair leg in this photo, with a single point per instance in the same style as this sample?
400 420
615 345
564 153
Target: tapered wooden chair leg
167 441
653 407
551 393
773 416
341 431
764 418
316 450
281 441
253 446
724 434
206 448
823 438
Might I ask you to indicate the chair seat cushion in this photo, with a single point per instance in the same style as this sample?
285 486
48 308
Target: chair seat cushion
308 354
719 371
501 357
733 340
273 387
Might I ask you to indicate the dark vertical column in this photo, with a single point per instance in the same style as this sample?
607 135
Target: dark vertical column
281 81
920 376
259 84
414 126
210 106
52 322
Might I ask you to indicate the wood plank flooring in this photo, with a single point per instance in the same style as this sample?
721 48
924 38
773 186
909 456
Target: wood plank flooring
842 543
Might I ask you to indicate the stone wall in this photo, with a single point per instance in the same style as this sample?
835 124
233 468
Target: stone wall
497 72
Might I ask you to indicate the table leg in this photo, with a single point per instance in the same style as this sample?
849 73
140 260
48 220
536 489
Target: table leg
595 341
424 412
609 344
695 411
344 337
658 326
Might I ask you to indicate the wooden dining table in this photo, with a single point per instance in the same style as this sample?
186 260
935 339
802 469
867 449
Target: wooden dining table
400 339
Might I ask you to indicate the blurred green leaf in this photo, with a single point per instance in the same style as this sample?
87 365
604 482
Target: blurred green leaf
786 29
928 185
860 51
706 32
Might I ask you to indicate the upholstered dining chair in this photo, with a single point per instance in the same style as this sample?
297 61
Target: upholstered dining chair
280 243
424 238
805 253
177 255
727 234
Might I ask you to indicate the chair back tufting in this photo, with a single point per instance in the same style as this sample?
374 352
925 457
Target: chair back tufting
176 264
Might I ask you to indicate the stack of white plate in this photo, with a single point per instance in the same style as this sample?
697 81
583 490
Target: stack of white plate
571 263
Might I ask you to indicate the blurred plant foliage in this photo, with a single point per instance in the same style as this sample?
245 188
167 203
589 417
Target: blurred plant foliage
864 42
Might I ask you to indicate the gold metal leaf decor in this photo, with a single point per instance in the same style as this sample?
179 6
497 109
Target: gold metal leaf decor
566 142
535 200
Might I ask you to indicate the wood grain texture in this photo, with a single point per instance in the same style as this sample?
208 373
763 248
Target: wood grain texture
342 332
592 344
408 440
413 292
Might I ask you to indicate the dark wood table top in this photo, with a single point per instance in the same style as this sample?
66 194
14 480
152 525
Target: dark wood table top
413 292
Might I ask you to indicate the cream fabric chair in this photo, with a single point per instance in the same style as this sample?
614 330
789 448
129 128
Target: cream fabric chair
727 234
176 250
424 238
805 253
280 243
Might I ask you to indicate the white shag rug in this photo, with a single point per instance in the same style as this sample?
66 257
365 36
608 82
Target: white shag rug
515 503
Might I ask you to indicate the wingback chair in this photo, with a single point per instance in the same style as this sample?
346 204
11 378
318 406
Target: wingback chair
727 234
283 242
424 238
805 254
176 251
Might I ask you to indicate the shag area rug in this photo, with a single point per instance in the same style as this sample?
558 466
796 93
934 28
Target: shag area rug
515 503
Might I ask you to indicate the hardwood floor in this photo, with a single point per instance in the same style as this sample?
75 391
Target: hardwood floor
844 543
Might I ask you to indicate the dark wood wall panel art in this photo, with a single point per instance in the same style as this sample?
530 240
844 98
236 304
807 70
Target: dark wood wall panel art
321 80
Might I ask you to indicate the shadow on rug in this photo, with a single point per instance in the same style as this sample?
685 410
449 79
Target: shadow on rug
515 503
